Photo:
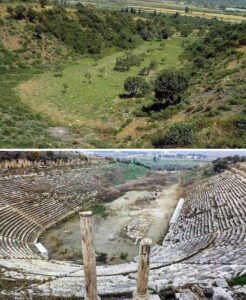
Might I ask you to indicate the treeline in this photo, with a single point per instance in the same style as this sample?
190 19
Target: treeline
134 161
220 42
43 156
221 164
90 30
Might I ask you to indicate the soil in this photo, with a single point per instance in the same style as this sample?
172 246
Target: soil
109 232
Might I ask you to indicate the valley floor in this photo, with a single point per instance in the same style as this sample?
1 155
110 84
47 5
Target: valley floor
90 113
137 211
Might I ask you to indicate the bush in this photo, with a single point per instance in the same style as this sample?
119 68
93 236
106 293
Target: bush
124 63
169 84
136 86
123 255
178 135
240 125
145 71
10 11
219 165
38 30
241 280
31 14
19 12
102 257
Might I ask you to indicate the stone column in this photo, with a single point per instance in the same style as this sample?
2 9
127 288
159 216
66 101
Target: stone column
143 271
89 259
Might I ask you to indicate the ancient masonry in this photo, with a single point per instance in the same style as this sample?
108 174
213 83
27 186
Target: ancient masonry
206 241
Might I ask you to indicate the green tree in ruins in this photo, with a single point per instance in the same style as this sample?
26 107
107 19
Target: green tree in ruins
136 86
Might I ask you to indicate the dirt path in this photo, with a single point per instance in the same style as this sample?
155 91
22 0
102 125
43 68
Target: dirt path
109 232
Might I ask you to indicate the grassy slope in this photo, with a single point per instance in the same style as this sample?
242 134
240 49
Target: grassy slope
182 162
93 114
128 171
94 108
19 126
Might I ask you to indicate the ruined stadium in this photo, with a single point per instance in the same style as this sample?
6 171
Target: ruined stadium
200 256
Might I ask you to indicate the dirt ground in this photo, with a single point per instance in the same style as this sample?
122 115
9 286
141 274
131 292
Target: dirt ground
126 209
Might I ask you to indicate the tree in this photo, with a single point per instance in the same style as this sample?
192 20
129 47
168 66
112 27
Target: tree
136 86
187 9
169 84
220 164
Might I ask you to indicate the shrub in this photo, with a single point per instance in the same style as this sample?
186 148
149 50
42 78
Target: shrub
177 135
185 31
144 72
240 125
212 112
31 15
199 62
38 30
123 255
124 63
219 165
100 209
136 86
19 12
241 280
102 257
10 11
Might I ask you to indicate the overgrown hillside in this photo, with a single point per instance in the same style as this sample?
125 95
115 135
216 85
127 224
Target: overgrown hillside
87 77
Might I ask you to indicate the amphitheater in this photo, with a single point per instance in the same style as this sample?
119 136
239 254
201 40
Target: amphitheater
204 247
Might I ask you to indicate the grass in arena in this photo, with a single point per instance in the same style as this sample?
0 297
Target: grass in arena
85 94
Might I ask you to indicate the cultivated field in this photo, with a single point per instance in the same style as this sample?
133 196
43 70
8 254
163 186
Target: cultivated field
194 13
172 8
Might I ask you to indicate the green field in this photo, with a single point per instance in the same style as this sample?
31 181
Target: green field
172 8
173 162
89 107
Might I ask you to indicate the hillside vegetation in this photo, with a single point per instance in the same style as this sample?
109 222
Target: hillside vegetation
87 77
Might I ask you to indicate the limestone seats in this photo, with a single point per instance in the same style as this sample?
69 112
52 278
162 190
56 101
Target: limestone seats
207 241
